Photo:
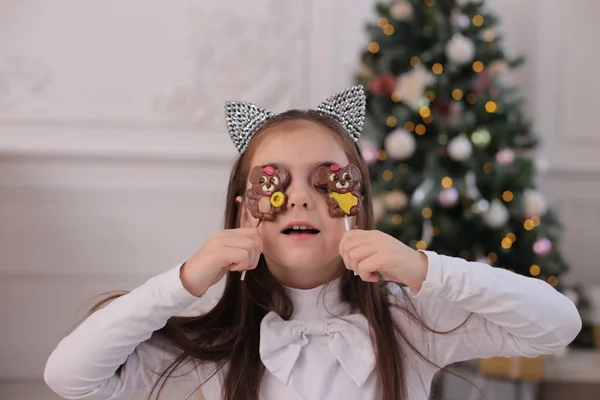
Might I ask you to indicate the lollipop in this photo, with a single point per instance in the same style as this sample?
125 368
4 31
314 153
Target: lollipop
265 198
343 189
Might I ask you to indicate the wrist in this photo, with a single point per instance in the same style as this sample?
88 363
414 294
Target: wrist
421 268
187 283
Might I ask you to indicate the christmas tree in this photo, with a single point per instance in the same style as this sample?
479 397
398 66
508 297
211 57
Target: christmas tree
450 150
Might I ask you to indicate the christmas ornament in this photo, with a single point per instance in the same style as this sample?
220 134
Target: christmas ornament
368 150
483 82
383 85
400 144
461 20
481 138
395 200
534 203
448 197
378 209
401 10
471 182
542 247
496 216
412 85
481 206
505 156
454 117
460 148
460 50
422 193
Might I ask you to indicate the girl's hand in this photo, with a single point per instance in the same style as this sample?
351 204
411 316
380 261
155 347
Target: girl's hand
227 250
369 252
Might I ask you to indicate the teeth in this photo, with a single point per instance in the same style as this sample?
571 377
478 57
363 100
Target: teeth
300 228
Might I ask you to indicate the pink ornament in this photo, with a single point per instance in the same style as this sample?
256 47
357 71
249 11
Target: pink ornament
541 247
483 82
505 156
369 152
448 197
269 170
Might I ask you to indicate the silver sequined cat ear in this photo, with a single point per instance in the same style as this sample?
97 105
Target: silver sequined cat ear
243 119
348 107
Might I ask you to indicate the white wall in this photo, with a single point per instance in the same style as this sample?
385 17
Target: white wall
114 154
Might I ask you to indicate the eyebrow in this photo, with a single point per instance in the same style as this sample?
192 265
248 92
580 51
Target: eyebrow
283 164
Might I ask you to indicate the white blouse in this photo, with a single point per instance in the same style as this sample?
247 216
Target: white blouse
313 355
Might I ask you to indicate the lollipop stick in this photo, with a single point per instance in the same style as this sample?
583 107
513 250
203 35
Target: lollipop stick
347 225
244 272
346 222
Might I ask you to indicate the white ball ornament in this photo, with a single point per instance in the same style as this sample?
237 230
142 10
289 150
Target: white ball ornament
496 216
460 50
505 157
460 148
400 144
534 203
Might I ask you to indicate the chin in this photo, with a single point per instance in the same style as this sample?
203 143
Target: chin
300 261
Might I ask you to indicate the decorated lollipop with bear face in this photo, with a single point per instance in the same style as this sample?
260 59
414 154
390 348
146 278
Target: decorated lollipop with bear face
342 185
265 198
266 195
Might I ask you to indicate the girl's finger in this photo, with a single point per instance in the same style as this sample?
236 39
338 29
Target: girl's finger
238 258
359 253
369 266
253 244
351 239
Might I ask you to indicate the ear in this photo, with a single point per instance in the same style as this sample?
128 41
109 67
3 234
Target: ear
283 176
321 176
255 174
354 173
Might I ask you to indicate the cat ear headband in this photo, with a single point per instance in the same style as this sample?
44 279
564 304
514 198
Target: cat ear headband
348 107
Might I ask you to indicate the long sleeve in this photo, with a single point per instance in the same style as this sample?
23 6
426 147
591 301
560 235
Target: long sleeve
507 314
85 363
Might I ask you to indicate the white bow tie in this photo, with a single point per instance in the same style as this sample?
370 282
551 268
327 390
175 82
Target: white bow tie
281 342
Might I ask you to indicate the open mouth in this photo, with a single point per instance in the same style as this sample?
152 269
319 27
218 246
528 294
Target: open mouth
300 230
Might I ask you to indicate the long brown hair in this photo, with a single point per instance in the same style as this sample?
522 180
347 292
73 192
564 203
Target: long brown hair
228 336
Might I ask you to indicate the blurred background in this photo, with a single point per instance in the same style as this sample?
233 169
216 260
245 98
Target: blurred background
114 156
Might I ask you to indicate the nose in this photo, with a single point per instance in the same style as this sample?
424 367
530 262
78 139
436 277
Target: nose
299 196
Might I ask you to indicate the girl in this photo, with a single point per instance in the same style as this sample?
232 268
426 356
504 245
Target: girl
321 314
